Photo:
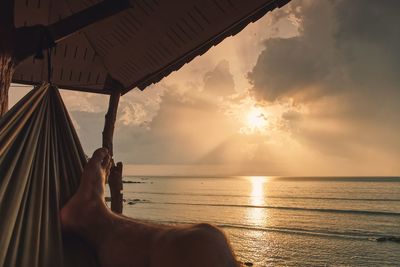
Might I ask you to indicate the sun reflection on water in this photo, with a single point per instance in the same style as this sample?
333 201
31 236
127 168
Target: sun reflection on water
257 215
257 190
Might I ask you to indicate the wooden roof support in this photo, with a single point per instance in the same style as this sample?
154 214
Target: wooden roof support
16 44
110 119
78 21
139 46
6 73
115 177
58 31
7 62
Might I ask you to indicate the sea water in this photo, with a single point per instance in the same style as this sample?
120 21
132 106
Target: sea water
282 221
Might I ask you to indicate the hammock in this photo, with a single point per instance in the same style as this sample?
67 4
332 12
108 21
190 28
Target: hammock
41 160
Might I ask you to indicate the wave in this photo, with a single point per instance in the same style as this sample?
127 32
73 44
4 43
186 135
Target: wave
361 212
366 236
333 234
274 197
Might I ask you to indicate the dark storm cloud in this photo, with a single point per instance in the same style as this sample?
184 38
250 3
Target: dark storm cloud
343 45
344 66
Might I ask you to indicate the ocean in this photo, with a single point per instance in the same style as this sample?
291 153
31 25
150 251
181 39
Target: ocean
280 221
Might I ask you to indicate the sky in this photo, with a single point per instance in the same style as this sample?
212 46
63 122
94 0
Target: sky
310 89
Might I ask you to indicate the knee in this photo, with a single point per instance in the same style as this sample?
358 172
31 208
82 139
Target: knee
198 245
209 233
209 245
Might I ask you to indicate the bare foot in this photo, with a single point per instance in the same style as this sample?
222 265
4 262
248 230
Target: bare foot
88 202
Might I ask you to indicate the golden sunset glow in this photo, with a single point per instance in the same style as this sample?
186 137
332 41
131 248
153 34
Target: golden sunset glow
245 107
257 199
257 190
256 120
202 133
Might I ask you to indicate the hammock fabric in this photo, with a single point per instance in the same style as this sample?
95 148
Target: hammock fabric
41 161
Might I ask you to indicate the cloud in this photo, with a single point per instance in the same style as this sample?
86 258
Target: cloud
219 81
343 68
79 101
139 108
167 125
322 74
342 45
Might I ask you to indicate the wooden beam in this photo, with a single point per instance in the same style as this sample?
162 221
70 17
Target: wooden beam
7 59
78 21
30 39
115 177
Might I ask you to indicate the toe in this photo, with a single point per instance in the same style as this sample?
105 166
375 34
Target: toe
99 155
106 162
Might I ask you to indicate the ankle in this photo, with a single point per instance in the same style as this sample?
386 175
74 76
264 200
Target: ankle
82 212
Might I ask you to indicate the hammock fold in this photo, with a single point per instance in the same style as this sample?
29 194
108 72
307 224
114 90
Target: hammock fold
41 160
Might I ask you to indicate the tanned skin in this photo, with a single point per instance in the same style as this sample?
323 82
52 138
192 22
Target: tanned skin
121 241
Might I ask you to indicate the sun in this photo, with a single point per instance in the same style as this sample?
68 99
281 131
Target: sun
256 120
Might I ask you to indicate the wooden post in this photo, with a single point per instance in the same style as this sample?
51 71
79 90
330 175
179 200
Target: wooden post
115 177
6 73
7 60
116 187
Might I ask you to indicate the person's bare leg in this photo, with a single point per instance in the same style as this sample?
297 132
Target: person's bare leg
122 241
87 215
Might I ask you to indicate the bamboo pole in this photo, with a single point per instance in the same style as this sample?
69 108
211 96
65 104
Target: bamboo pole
115 177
